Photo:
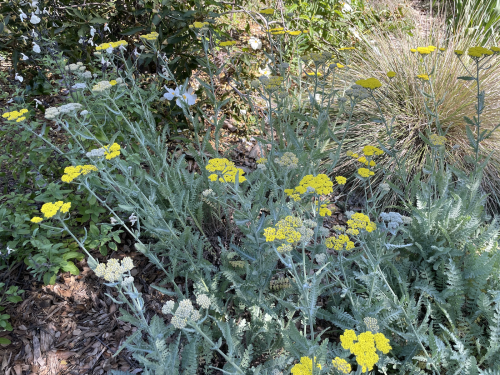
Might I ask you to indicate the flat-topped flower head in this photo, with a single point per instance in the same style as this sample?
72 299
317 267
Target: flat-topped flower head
365 172
391 74
459 52
364 346
228 43
437 140
36 219
423 77
70 173
478 52
151 36
112 151
18 116
341 365
50 209
226 169
340 180
370 83
305 367
267 11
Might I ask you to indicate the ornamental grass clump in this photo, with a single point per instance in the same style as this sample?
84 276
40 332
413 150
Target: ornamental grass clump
404 105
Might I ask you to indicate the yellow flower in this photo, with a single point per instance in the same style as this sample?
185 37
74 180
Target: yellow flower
478 52
423 77
341 365
270 234
442 49
424 50
372 150
50 209
437 140
370 83
112 151
294 33
21 119
391 74
495 49
346 48
459 52
70 173
313 74
261 161
213 177
413 50
227 170
113 82
36 219
324 211
267 11
227 43
348 338
382 343
364 172
304 367
341 180
432 48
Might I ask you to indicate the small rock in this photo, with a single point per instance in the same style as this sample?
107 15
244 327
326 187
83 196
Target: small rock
77 332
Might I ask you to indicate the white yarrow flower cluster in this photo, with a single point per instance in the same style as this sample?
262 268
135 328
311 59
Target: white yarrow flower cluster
168 307
393 220
357 92
207 192
113 271
97 152
184 312
203 300
102 86
78 67
52 112
79 86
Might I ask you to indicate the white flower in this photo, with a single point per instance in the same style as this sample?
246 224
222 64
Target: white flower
265 72
37 11
97 152
34 34
24 56
36 48
86 75
132 219
136 54
45 11
19 78
188 97
78 86
243 111
34 19
346 8
34 3
255 43
9 250
109 49
84 113
24 38
92 31
81 41
106 28
22 15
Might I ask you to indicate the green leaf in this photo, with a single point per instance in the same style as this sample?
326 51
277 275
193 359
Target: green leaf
71 255
70 267
14 299
4 341
133 30
163 290
98 20
466 78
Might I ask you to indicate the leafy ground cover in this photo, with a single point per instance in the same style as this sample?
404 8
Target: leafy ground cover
239 191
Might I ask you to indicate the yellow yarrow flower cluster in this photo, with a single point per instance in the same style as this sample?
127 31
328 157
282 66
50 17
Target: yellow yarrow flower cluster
105 46
459 52
370 83
228 43
70 173
199 25
36 219
338 243
261 161
294 33
321 184
347 48
341 365
15 115
324 210
360 221
50 209
437 140
495 49
113 270
267 11
391 74
151 36
340 180
226 168
479 52
365 348
111 151
304 367
363 160
423 77
365 172
284 230
372 150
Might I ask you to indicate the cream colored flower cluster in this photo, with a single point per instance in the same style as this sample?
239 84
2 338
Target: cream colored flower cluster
52 112
113 270
78 67
185 311
288 159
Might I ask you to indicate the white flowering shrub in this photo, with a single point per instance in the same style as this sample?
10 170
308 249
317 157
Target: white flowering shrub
270 284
